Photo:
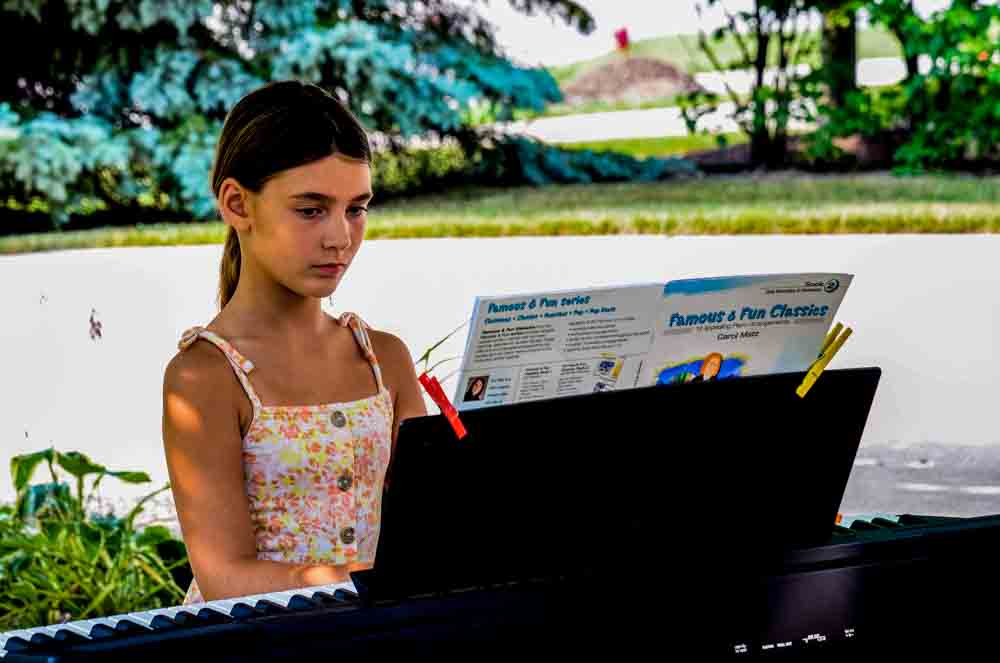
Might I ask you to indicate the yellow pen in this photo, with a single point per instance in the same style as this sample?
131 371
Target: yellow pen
817 368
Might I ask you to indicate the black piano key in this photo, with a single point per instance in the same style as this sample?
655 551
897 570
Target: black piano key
41 639
269 607
299 602
244 610
186 618
910 519
863 526
346 594
126 626
17 644
165 622
102 631
208 616
327 598
64 635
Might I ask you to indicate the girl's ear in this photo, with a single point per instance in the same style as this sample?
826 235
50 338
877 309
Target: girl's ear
237 205
234 204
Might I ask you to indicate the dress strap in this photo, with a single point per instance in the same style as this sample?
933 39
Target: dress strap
360 329
241 365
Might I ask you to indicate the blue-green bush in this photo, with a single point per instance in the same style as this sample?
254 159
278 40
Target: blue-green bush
128 113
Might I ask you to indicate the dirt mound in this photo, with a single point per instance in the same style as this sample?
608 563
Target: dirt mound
631 79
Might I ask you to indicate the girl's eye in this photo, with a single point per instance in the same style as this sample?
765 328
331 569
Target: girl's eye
356 211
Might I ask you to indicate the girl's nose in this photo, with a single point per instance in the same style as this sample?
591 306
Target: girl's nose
338 233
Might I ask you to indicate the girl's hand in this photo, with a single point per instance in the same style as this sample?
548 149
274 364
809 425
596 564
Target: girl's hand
327 574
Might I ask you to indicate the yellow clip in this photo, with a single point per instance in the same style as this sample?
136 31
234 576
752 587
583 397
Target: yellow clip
831 346
830 338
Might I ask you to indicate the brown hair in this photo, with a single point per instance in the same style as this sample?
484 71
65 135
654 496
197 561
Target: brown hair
280 125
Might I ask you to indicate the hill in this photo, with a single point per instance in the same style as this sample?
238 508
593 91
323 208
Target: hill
682 51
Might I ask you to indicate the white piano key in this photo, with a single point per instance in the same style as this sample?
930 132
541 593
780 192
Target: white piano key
79 630
173 611
330 589
141 618
84 626
226 605
126 616
282 598
146 618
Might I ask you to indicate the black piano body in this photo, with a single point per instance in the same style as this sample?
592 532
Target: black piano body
586 526
915 585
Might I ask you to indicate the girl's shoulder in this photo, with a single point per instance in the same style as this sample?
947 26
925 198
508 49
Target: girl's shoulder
385 345
198 370
388 348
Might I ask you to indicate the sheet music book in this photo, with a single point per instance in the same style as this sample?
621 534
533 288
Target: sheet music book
561 343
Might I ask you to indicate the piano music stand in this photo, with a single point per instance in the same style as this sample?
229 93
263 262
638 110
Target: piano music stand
623 481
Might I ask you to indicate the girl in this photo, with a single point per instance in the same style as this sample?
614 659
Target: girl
278 430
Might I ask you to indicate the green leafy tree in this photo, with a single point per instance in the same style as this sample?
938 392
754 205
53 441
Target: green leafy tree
839 48
901 19
943 115
118 103
782 27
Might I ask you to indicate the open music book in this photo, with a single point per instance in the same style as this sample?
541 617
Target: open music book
561 343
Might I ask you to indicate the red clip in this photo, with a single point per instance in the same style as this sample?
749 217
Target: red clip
433 387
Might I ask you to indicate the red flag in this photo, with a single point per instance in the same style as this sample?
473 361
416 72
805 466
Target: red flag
621 36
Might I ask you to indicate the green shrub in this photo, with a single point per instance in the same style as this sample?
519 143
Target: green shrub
946 114
59 563
506 160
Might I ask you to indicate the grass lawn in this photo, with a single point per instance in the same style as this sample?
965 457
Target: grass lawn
776 203
667 146
683 51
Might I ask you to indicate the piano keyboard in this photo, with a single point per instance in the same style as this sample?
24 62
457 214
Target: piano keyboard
187 616
880 581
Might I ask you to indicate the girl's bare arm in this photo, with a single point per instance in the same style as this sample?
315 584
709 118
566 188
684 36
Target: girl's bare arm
401 377
201 439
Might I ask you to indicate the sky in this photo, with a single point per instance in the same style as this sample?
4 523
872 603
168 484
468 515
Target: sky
541 40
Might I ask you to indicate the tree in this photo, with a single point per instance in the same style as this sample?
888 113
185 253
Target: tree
943 117
128 103
901 19
840 48
779 27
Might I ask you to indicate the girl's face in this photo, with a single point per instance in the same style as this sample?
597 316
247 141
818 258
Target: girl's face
308 216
